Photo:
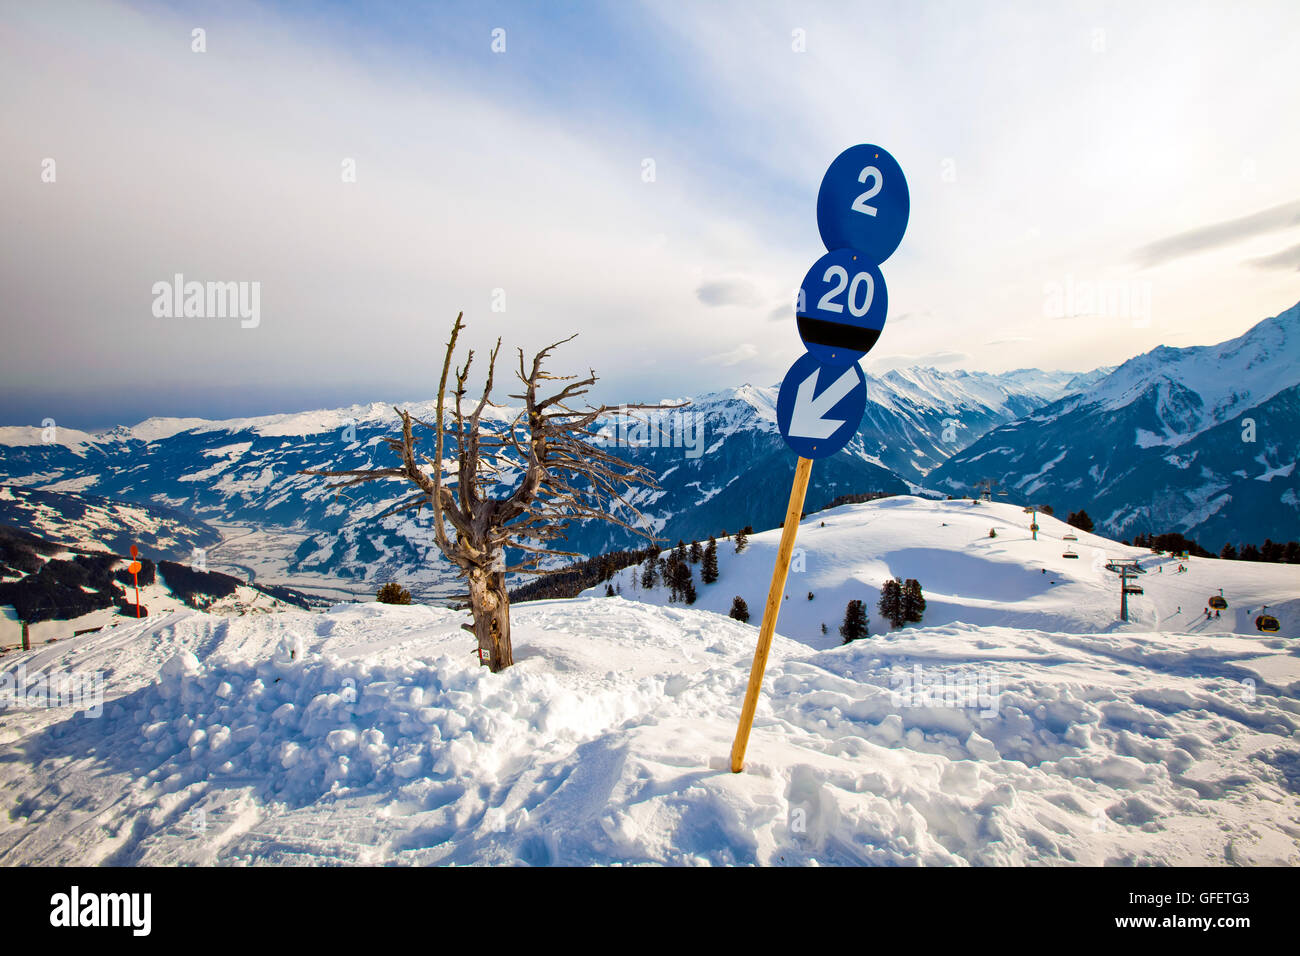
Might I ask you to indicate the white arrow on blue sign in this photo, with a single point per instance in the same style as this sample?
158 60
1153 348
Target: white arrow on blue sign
820 406
864 203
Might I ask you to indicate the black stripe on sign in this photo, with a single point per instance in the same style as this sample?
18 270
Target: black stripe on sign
837 335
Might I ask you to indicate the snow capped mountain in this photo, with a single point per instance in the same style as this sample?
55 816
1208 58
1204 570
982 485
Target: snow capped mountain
1193 389
1202 440
917 418
721 465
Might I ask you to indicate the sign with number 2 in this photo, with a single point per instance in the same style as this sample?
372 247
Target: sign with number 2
864 203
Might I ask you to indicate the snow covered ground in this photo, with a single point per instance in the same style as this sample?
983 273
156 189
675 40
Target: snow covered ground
1010 580
369 733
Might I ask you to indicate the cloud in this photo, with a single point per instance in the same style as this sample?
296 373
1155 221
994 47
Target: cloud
1010 340
741 353
945 357
522 173
1286 259
1220 234
719 292
908 359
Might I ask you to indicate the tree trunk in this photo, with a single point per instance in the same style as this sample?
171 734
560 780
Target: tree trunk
491 606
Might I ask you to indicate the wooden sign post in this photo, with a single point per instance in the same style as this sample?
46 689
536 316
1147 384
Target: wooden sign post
840 312
793 514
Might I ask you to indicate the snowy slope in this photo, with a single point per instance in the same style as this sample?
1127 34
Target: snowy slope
369 733
1012 580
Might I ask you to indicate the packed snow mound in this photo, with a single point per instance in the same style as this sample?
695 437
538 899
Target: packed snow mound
369 734
1010 580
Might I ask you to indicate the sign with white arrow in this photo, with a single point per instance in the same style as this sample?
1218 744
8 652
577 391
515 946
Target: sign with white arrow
862 211
820 406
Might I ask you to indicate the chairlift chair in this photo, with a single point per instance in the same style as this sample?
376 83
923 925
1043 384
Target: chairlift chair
1070 537
1267 623
1069 553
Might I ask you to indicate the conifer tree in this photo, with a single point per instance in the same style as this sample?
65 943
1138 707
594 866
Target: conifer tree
1079 519
742 540
648 576
854 627
890 605
672 577
681 580
739 609
912 601
709 571
695 553
393 593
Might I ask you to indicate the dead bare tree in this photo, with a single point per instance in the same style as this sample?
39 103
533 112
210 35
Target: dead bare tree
565 475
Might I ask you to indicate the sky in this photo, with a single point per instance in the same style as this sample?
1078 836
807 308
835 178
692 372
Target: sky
1088 181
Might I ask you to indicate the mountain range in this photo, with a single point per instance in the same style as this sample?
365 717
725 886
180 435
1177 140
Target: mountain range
1202 440
731 469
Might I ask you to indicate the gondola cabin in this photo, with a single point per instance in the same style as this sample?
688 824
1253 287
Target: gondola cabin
1267 623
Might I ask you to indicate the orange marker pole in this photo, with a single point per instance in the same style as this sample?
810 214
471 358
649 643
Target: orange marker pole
134 568
793 513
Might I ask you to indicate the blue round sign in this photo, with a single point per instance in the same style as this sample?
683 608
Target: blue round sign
820 406
864 203
841 307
